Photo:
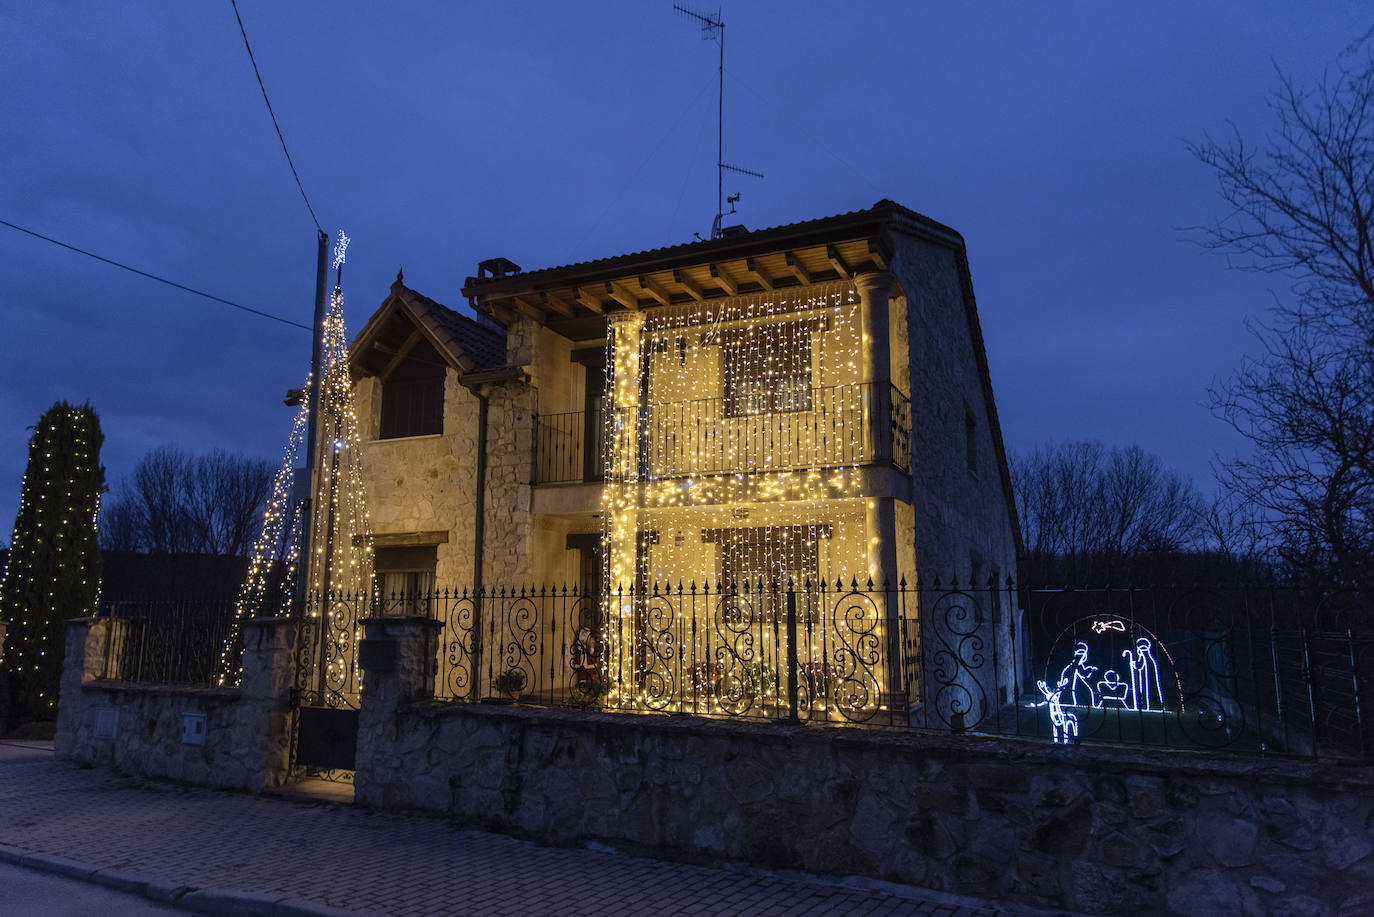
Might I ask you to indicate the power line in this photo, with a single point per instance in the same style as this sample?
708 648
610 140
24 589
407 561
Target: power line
273 114
170 283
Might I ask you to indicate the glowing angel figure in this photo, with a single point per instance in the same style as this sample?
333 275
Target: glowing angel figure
1065 724
1076 673
1145 689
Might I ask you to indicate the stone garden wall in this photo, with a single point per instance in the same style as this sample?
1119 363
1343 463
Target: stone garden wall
226 737
1096 830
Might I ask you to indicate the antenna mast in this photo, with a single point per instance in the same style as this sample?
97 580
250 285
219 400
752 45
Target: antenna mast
714 27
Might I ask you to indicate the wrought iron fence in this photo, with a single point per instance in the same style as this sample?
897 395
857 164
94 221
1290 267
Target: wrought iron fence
812 653
1244 669
1262 670
173 639
833 426
1268 670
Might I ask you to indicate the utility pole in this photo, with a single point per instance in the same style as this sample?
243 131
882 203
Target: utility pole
313 419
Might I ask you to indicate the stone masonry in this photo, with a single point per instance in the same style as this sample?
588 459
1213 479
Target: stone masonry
1093 829
239 737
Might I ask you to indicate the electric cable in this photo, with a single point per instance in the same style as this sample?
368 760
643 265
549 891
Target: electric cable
170 283
273 114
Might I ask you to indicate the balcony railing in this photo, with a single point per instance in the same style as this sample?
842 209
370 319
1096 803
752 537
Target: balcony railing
841 425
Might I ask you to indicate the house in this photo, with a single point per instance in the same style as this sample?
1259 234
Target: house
809 403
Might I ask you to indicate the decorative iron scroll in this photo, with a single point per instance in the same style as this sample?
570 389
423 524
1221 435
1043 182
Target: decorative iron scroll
955 651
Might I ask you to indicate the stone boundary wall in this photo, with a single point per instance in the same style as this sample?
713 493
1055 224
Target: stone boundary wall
236 738
1095 830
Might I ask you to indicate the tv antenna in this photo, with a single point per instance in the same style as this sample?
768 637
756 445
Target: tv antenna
713 27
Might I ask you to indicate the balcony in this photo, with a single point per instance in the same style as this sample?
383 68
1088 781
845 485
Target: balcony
839 426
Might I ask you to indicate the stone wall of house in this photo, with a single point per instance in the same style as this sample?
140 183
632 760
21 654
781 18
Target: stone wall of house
963 528
1094 830
425 483
507 559
242 742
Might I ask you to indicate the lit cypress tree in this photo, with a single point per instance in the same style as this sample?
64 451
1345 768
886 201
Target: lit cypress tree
54 562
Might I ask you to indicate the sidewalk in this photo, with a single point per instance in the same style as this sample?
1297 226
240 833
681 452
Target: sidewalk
220 852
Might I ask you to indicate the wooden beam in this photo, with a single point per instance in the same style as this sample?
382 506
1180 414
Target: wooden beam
875 252
500 312
753 269
529 310
797 268
723 279
688 284
559 305
654 290
838 263
591 300
626 299
401 353
407 539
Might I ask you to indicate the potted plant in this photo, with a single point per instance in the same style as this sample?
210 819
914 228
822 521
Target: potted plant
510 683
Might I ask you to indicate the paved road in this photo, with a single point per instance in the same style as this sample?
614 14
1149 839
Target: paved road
41 894
231 852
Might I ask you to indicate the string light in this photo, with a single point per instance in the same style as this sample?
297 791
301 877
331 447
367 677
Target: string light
734 429
340 561
53 570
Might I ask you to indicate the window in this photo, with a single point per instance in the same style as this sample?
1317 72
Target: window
413 395
763 554
768 370
405 579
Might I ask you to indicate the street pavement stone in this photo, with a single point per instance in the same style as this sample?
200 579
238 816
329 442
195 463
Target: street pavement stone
301 856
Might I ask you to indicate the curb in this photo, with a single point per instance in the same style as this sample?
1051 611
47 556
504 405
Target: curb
229 902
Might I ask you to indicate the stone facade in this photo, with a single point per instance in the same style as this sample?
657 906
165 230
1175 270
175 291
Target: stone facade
963 525
425 483
1092 829
226 737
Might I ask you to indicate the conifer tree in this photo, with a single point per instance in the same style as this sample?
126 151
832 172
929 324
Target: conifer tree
53 572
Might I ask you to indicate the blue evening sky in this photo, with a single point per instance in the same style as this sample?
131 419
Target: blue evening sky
1052 136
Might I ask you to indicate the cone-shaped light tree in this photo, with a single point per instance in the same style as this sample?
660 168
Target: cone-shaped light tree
53 572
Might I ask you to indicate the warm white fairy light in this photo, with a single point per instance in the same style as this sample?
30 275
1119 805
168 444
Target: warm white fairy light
757 417
60 499
341 546
340 559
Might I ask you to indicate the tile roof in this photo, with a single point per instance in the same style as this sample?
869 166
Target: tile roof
466 343
484 343
882 210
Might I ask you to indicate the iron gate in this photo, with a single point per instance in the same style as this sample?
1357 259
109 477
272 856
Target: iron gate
325 696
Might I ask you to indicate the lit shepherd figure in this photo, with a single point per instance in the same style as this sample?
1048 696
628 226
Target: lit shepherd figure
1079 672
1145 688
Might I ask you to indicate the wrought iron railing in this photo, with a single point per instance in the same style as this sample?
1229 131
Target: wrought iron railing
173 639
1259 670
1266 670
569 448
818 653
840 425
1240 669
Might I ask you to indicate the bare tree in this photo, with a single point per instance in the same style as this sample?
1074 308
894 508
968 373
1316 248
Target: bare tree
1089 512
176 503
1301 204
